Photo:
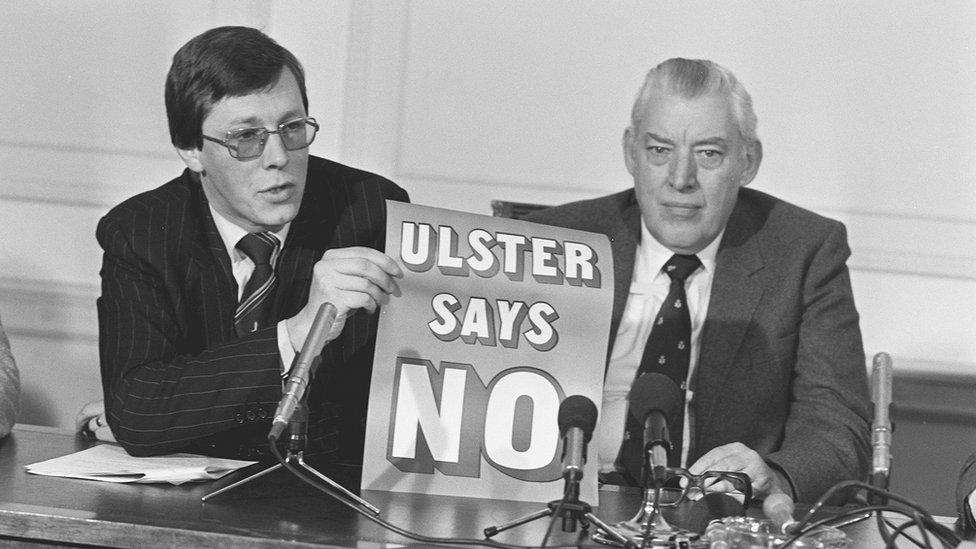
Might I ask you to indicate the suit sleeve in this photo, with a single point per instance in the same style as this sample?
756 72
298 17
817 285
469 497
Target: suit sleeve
158 398
966 486
9 386
827 431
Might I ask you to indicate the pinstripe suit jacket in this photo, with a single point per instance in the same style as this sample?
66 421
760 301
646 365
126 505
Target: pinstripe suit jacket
174 373
9 386
781 366
966 485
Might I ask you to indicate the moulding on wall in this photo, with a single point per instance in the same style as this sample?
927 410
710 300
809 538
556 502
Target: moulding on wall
935 397
906 244
868 258
80 176
44 306
924 389
49 310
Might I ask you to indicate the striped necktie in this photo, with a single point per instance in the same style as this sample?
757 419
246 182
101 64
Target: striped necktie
253 309
668 351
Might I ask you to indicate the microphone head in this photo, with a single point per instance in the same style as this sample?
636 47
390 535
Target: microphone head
881 375
577 411
653 391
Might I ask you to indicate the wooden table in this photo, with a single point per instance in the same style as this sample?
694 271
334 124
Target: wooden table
274 511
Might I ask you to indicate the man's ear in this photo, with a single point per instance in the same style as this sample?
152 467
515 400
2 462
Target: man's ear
628 142
753 160
191 157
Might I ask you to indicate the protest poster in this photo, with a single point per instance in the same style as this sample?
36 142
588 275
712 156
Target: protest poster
496 322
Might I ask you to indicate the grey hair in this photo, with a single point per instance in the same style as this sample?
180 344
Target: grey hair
691 78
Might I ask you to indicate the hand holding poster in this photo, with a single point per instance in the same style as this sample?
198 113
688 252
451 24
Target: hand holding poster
497 321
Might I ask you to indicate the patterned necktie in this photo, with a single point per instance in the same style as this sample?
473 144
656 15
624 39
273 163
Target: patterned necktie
253 309
668 351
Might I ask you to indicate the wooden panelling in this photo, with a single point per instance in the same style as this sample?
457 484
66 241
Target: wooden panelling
935 430
53 332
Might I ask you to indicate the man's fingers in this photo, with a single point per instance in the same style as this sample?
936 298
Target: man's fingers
375 257
354 274
716 459
89 410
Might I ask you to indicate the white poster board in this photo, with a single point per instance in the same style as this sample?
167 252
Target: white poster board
496 322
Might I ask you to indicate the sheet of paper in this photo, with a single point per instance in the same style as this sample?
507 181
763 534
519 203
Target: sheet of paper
110 463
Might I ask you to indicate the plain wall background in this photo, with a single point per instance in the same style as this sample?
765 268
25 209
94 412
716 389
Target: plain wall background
867 112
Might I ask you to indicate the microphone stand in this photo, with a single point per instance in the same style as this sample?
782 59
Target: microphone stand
297 438
649 524
571 509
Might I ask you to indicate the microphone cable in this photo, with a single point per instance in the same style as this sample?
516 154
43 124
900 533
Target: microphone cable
555 515
919 517
315 483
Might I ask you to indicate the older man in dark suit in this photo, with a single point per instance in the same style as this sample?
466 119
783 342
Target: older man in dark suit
770 360
210 283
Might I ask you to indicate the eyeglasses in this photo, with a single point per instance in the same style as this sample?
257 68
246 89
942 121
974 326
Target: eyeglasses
248 143
686 486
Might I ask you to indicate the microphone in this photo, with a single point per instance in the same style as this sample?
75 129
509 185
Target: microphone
881 374
654 400
779 508
576 420
303 368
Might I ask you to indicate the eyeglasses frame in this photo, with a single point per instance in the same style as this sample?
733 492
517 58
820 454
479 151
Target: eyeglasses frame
232 149
697 481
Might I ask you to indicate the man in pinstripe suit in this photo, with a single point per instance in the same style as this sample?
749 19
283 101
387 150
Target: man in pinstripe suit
176 374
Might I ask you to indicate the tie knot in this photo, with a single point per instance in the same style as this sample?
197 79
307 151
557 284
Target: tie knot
680 267
258 246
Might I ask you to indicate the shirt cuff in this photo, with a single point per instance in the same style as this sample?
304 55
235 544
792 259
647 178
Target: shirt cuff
285 349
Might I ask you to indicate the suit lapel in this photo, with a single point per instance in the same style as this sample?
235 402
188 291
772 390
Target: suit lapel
210 272
736 291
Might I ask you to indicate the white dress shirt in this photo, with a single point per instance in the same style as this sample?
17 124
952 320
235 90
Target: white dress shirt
648 289
242 267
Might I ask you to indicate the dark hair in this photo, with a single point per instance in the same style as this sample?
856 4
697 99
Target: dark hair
221 62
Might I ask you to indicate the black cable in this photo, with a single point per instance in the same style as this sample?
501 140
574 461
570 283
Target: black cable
555 514
805 528
923 530
900 530
389 526
883 524
941 531
904 534
919 516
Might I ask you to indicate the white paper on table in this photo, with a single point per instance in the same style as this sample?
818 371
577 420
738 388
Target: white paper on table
110 463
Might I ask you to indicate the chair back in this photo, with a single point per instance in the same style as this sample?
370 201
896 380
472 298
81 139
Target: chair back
514 210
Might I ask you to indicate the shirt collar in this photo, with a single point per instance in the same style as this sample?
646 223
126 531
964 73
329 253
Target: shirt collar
652 255
231 234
